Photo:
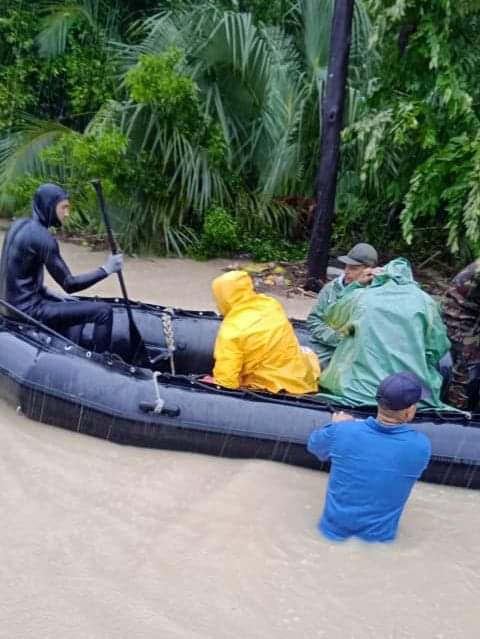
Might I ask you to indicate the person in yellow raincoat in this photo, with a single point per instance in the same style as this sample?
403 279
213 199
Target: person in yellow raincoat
256 345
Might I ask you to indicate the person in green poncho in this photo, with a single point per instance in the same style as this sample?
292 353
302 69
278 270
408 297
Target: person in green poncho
390 326
360 263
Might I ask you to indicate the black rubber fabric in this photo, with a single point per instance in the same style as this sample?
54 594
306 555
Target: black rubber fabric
62 316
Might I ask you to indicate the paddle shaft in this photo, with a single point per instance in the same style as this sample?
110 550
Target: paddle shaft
97 185
140 350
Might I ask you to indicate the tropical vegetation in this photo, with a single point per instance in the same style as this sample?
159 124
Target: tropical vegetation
203 121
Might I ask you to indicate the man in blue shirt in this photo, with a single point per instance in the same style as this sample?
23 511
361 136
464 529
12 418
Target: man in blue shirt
374 463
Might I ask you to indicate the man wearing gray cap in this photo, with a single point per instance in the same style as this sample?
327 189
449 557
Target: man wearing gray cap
360 265
375 463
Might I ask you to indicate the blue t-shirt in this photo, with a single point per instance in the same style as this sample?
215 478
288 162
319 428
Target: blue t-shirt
373 470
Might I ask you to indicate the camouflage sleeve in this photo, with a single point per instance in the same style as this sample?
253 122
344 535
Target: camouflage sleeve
467 282
436 340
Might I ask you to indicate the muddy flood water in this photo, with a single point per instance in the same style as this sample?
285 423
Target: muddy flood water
100 541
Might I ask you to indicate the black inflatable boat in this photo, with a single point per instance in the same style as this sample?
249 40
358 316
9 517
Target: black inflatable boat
163 404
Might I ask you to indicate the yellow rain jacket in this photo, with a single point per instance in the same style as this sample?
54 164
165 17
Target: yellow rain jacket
256 346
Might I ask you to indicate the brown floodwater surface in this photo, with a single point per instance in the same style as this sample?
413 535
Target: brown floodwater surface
100 541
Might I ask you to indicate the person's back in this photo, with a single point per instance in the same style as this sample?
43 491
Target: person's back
25 250
256 345
373 471
374 466
390 326
461 311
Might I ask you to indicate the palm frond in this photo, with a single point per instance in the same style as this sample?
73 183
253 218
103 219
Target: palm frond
262 86
254 211
160 32
106 118
313 20
360 54
20 151
59 18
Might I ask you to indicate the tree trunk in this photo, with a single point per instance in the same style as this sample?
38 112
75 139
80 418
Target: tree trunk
332 123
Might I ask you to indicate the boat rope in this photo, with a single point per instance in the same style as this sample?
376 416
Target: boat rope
159 402
169 336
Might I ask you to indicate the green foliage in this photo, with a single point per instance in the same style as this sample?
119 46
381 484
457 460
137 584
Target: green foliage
417 145
73 73
76 159
20 153
162 82
268 245
204 106
59 19
21 191
90 74
220 235
18 71
83 157
264 11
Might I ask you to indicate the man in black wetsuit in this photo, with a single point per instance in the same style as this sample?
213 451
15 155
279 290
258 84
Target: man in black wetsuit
28 247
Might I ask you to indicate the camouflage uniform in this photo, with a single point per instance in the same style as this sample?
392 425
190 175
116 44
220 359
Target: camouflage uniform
461 313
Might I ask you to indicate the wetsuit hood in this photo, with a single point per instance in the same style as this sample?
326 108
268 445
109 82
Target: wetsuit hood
44 203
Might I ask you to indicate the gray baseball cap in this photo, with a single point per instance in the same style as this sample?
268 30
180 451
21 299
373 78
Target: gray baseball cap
360 255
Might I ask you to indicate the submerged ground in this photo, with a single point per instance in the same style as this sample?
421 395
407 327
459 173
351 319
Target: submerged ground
100 541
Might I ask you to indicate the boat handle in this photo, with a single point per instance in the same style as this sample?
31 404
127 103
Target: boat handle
158 405
159 409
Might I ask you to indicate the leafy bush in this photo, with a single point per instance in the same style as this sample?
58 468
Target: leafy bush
19 72
223 235
220 235
89 73
270 246
197 107
418 141
161 81
22 191
266 11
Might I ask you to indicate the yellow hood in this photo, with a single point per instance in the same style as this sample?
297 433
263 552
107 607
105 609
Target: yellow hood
256 346
232 288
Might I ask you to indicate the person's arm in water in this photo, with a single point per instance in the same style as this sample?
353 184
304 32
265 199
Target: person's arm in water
60 272
321 441
318 328
228 362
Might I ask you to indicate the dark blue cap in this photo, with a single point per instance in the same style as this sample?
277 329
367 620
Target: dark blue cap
400 391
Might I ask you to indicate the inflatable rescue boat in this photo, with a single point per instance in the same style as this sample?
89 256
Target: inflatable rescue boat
162 403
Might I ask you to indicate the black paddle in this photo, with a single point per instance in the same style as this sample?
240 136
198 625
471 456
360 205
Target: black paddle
140 353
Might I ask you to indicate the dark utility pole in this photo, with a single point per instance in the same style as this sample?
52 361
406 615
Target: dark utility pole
332 123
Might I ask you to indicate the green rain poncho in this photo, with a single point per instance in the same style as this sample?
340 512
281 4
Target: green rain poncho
389 327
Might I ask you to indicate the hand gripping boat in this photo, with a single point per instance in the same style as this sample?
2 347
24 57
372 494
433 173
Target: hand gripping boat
163 403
